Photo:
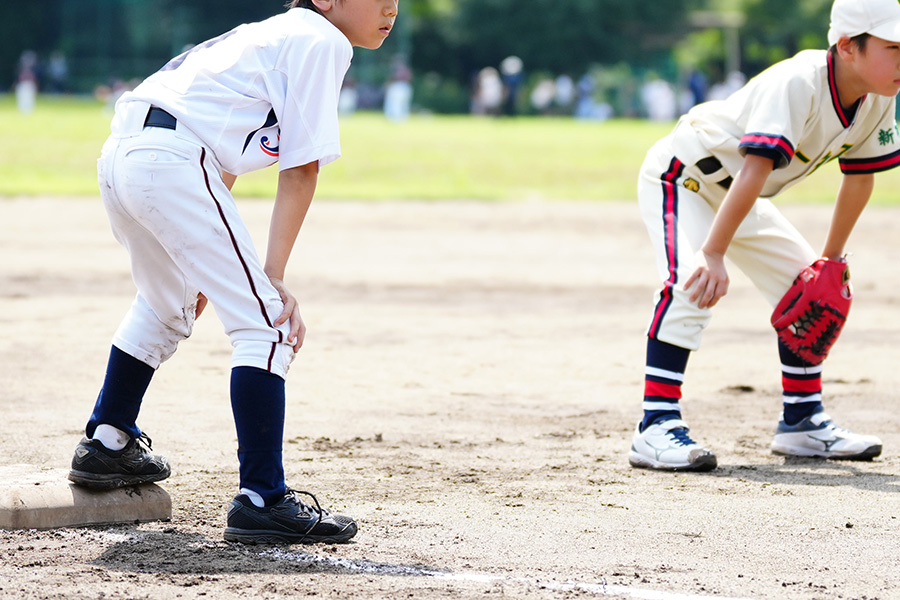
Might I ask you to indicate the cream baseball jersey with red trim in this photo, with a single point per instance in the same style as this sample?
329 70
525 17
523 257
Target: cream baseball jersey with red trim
261 93
791 113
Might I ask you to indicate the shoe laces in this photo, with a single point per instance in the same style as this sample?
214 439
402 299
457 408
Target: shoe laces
681 436
836 429
309 508
145 440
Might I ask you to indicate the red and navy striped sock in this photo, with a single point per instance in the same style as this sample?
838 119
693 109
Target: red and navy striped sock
802 384
663 377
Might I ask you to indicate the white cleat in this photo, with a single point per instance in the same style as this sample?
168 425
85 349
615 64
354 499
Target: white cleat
817 436
667 446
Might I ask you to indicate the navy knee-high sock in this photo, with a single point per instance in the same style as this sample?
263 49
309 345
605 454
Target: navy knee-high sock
257 401
124 387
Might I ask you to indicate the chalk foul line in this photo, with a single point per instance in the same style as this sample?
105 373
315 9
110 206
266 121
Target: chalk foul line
373 568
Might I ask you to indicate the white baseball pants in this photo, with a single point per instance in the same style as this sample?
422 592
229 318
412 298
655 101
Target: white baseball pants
167 204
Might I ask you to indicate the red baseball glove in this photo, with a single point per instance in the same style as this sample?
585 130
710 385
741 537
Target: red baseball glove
810 316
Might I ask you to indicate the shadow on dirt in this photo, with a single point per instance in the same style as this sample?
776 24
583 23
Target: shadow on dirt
176 553
797 471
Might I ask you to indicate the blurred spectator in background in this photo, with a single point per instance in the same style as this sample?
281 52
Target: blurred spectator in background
697 84
27 81
587 106
513 77
109 94
542 96
349 98
733 82
658 98
585 92
565 94
57 73
487 94
398 92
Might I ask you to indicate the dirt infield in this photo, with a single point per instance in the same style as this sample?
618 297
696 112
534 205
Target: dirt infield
467 392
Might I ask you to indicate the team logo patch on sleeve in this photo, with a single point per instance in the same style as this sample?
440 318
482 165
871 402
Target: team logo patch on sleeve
265 146
267 129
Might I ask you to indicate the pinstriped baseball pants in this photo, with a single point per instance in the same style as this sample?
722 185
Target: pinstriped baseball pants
678 204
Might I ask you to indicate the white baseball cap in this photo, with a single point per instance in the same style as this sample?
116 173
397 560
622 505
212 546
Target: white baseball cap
880 18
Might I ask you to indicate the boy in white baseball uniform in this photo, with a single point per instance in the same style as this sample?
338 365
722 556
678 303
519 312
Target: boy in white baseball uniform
259 94
703 193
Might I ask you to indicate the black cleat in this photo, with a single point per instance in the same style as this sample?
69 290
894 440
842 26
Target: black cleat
96 466
288 522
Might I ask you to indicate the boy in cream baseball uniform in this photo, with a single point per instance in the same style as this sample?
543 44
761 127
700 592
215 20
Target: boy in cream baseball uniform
259 94
704 194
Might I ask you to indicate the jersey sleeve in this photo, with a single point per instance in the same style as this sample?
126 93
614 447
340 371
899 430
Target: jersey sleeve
304 89
777 108
880 151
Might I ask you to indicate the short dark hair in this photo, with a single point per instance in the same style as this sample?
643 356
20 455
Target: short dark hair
860 40
857 40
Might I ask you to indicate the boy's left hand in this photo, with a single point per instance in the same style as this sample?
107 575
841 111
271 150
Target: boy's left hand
291 312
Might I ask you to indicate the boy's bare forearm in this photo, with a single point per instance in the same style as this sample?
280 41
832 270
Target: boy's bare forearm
851 200
296 188
737 203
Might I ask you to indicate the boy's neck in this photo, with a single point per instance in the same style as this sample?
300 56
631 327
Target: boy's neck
849 88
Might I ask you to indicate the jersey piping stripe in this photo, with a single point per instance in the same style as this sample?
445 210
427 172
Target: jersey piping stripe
845 117
237 251
670 230
868 165
775 143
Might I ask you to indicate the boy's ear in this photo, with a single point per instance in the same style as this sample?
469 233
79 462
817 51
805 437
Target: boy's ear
323 5
845 47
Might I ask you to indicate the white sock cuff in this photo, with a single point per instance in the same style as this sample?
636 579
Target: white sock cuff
255 498
111 437
810 370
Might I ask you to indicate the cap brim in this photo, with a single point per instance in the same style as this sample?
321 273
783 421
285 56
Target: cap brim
887 31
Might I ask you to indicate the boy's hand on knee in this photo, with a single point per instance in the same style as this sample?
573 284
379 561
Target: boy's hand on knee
201 304
290 313
711 279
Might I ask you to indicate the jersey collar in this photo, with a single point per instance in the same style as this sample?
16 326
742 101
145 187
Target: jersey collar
846 117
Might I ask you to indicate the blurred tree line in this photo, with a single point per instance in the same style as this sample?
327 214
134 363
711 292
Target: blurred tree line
445 42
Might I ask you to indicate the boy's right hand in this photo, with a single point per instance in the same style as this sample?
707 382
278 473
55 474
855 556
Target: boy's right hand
291 313
710 277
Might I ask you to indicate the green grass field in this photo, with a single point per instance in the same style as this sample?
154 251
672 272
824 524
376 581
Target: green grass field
53 150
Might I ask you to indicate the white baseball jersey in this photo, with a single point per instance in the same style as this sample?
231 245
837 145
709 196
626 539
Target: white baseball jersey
791 113
261 93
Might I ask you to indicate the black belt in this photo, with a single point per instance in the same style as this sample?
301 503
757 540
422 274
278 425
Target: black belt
157 117
710 165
